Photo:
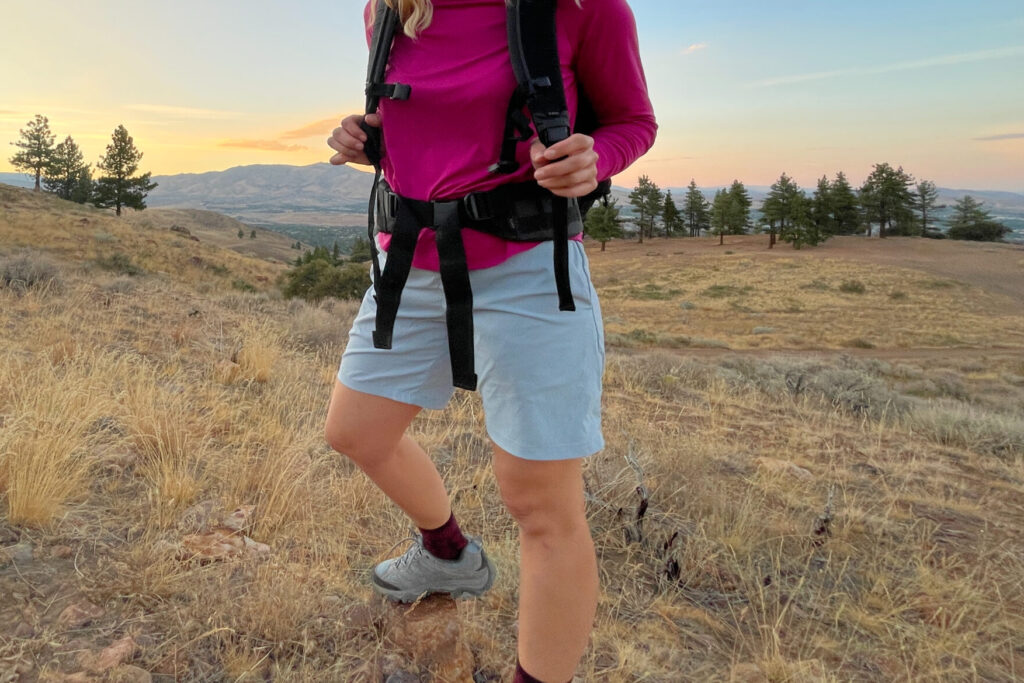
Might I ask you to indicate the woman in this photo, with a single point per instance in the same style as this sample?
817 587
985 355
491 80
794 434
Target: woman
539 368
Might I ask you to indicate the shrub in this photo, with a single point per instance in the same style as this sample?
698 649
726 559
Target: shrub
319 279
119 263
852 287
29 271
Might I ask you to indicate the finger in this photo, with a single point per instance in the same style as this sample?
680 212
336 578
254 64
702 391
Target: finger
537 154
575 190
574 144
345 145
372 120
584 177
350 125
567 166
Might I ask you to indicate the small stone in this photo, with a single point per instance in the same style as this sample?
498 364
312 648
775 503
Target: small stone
79 614
783 467
110 657
20 553
240 518
61 552
130 674
24 630
359 617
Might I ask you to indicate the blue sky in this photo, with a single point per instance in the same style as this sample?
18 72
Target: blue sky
742 89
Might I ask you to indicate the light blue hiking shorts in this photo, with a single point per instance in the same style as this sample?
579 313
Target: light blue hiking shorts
539 369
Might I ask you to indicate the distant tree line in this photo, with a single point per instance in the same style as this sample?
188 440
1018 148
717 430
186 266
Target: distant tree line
890 199
61 168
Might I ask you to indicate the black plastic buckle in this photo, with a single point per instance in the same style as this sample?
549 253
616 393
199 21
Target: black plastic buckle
477 206
503 167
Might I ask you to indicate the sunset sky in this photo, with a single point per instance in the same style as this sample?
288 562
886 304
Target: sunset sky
742 89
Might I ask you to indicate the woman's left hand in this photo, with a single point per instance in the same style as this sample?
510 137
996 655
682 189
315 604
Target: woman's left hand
575 175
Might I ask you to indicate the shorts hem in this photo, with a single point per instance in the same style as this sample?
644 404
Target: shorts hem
568 451
406 397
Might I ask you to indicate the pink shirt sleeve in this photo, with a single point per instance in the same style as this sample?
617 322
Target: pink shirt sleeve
608 69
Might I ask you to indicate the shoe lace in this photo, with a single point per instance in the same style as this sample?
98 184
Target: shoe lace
411 554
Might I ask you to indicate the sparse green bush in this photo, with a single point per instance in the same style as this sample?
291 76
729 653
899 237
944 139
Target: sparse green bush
27 271
319 279
722 291
104 237
852 287
119 263
897 295
956 424
850 387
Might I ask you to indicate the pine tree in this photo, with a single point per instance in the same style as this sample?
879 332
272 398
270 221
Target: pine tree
252 235
720 207
695 209
926 197
782 208
119 187
646 199
36 145
738 214
603 223
67 174
972 222
670 216
887 200
845 207
821 211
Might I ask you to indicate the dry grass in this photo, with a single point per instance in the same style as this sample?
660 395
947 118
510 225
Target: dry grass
171 400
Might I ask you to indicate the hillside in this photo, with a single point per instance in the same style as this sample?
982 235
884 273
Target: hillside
813 469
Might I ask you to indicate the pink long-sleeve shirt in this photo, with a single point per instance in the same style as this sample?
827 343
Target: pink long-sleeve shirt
439 143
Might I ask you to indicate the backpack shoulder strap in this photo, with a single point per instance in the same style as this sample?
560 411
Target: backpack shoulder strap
533 47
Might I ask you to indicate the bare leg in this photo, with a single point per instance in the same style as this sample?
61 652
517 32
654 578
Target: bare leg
558 568
370 430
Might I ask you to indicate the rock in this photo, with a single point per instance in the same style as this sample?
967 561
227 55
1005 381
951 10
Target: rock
61 552
783 467
20 553
430 632
763 330
240 518
687 305
359 617
110 657
220 543
198 516
367 673
130 674
78 614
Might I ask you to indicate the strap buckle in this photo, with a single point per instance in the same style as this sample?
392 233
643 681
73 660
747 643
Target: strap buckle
477 206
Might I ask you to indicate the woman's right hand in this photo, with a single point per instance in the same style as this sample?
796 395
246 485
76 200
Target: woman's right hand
348 138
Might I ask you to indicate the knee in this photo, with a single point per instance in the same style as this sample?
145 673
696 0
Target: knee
541 515
349 441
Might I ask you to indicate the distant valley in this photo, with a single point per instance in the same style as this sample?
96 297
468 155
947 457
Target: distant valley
320 203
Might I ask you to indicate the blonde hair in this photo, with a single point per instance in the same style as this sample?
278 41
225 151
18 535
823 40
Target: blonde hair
416 15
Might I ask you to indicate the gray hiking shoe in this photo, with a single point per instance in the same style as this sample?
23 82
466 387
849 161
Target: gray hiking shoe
416 573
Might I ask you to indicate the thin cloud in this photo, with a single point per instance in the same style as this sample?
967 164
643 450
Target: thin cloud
696 47
184 112
264 145
322 127
1004 136
943 60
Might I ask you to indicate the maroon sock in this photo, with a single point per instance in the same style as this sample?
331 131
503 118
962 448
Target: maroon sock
523 677
446 542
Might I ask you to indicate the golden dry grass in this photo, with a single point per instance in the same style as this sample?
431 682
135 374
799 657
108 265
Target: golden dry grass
154 396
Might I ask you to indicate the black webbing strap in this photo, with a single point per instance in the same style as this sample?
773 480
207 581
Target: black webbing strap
458 295
538 69
385 23
388 285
